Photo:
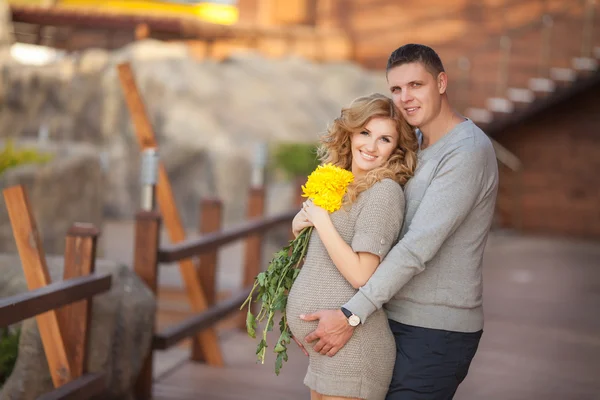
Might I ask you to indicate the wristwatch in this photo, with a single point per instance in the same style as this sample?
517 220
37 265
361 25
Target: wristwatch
353 320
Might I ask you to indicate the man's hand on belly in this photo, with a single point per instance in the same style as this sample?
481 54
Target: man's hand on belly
332 333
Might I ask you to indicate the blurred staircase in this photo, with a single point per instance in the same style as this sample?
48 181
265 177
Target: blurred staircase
528 67
519 74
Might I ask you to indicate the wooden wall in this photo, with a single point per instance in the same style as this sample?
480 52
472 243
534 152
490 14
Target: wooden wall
558 191
452 27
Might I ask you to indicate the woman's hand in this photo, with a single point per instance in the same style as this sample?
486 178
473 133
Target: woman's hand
300 222
315 214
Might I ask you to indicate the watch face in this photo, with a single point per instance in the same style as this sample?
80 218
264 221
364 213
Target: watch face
354 320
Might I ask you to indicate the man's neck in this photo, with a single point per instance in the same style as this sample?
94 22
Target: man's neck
440 126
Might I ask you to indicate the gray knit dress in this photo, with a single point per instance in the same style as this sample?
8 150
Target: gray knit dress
363 367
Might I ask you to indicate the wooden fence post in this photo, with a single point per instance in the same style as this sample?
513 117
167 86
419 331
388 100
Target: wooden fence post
211 211
252 260
33 259
166 201
145 264
74 319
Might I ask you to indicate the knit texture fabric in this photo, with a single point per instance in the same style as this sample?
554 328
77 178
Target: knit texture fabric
363 367
433 277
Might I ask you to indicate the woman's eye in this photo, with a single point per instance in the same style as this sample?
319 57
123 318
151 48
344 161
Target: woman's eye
364 133
387 140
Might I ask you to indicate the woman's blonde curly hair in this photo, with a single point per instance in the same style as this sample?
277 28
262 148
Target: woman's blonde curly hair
335 143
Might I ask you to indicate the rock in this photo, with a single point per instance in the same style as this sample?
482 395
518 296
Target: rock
120 332
207 116
65 190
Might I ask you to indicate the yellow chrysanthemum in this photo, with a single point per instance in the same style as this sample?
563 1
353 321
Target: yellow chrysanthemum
326 186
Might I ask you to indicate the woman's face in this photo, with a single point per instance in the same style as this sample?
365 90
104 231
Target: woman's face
373 145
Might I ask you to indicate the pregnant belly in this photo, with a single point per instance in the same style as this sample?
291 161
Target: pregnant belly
309 295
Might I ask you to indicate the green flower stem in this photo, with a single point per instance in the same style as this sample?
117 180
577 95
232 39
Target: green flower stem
271 288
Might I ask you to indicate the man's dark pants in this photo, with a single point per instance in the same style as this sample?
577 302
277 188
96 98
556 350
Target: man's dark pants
430 363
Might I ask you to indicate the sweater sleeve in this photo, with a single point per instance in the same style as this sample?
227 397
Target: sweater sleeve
379 222
449 198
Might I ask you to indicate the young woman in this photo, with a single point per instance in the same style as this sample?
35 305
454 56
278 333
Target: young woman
374 142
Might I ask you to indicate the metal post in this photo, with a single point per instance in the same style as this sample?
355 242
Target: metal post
505 47
464 66
588 28
547 24
149 178
258 165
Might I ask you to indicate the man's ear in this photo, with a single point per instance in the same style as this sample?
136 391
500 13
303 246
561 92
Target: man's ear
442 82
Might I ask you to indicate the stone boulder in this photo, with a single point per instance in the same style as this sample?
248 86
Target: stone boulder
70 188
208 116
120 333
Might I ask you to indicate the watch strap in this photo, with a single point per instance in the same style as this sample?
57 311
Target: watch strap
346 312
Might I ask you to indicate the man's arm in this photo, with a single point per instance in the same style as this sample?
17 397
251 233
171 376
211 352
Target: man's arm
452 194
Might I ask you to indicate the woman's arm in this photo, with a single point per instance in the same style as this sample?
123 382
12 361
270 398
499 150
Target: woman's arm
357 268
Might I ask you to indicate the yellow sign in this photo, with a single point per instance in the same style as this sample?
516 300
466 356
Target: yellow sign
223 14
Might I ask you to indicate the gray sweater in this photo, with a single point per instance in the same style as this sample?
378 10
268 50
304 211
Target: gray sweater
432 277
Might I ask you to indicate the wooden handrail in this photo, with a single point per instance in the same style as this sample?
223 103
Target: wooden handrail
29 304
193 247
199 322
85 387
560 95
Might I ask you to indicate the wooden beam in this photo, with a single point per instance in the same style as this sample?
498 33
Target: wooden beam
34 302
145 265
253 250
192 247
33 259
211 211
145 135
74 319
83 388
174 334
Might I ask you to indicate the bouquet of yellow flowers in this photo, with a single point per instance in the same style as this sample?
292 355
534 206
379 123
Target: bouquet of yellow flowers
326 187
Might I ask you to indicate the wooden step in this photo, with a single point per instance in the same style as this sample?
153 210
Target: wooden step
563 76
520 97
542 86
500 105
585 64
174 307
479 115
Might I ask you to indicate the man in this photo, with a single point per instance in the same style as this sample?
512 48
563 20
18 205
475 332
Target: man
430 283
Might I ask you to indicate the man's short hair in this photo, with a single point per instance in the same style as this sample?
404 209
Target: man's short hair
410 53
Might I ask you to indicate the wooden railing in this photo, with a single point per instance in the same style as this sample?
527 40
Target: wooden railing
62 309
149 252
199 280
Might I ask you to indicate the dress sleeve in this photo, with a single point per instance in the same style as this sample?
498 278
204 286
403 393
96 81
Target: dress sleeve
379 221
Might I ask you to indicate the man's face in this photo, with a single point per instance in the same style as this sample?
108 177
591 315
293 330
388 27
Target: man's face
416 92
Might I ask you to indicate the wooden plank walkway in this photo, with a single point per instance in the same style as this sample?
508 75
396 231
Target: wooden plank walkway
541 340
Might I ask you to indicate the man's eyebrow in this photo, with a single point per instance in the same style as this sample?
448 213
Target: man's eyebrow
409 83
